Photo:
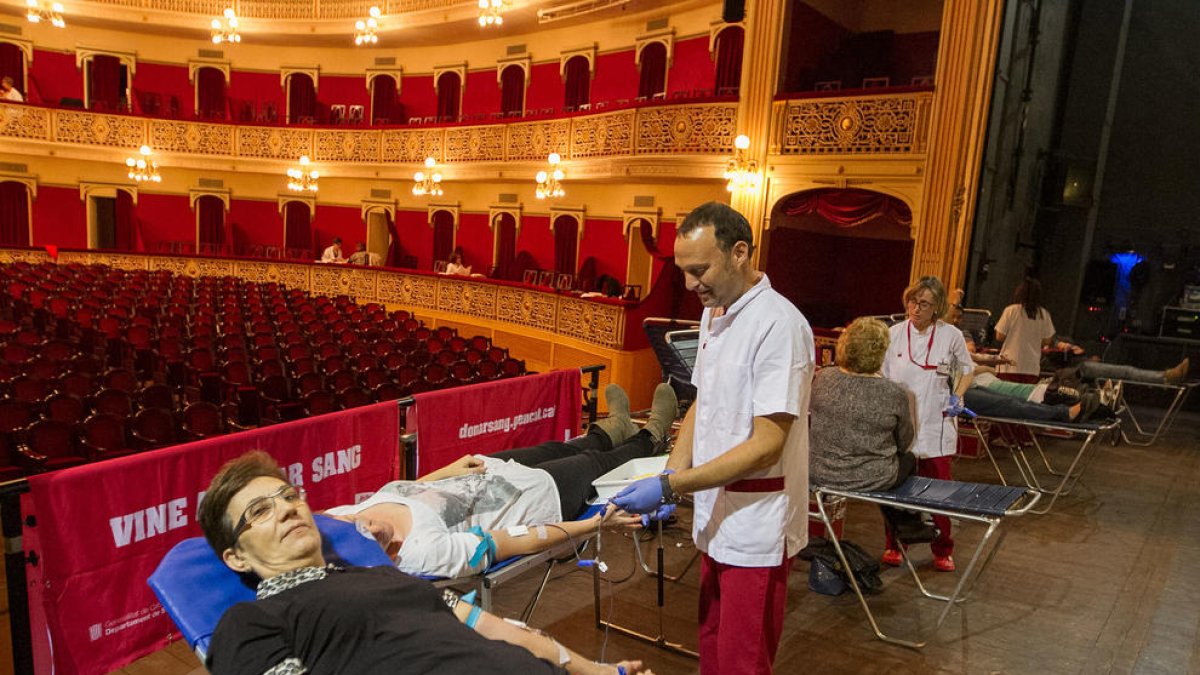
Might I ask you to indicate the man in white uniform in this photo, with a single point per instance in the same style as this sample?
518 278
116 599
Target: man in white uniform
333 254
743 446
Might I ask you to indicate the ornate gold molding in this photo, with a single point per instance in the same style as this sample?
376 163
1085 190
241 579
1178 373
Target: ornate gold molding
856 125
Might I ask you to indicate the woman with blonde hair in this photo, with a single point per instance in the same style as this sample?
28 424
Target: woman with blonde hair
861 425
929 358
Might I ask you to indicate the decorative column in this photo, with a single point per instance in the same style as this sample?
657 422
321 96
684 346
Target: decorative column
760 72
958 130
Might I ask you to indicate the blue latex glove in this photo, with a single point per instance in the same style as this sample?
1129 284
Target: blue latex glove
662 513
643 496
957 408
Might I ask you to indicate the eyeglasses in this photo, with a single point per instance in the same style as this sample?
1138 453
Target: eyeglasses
263 508
921 304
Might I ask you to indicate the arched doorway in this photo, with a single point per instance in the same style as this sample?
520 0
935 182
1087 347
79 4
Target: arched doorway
443 235
840 253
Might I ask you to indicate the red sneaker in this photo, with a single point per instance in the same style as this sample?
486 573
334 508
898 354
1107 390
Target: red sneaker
892 557
943 563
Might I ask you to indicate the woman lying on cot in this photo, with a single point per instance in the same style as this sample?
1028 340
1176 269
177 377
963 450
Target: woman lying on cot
310 617
1045 401
461 518
862 426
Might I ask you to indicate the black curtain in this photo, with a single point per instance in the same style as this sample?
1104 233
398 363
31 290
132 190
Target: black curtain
14 214
512 90
729 60
210 214
566 237
12 64
578 84
383 101
449 87
654 70
506 247
297 227
210 90
127 235
443 235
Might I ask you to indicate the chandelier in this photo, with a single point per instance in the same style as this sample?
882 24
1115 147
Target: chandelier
143 169
364 31
742 173
489 12
302 178
36 12
428 183
549 183
226 29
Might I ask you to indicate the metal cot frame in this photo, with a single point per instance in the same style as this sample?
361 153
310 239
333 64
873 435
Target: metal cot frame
1139 436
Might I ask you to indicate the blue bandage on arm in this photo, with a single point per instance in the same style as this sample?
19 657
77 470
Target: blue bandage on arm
485 550
473 617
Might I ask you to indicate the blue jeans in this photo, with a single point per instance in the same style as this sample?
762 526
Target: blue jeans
1096 370
990 404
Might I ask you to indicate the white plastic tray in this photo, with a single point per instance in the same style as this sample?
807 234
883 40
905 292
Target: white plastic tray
614 481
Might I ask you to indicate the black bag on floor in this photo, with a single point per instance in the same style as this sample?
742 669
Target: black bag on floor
827 576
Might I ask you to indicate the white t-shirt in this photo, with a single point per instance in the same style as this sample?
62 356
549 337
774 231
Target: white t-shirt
755 360
442 511
1023 339
331 254
913 360
13 95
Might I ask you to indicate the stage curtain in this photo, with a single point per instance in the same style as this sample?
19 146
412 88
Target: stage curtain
211 217
127 231
302 98
395 250
506 247
449 91
298 227
210 84
105 89
729 60
848 207
12 64
14 214
443 235
383 101
657 250
512 90
654 70
578 84
566 238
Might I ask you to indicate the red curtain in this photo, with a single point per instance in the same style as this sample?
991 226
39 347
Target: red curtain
210 214
449 88
14 214
104 73
395 251
297 227
654 70
443 235
578 84
12 64
506 247
302 98
848 207
566 239
127 231
512 90
210 88
652 246
383 101
729 60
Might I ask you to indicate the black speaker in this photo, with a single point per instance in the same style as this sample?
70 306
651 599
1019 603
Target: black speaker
735 11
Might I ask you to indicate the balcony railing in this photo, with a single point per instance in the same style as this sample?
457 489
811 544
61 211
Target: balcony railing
885 124
689 128
287 9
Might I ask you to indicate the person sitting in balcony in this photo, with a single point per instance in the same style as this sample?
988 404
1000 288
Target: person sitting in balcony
362 257
9 91
456 264
333 254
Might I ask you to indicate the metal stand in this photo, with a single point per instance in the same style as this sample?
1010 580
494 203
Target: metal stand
660 640
1139 436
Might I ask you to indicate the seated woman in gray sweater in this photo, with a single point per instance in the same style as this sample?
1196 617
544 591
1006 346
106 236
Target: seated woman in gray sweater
861 425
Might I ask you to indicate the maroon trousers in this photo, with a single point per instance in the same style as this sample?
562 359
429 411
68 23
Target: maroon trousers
750 600
939 468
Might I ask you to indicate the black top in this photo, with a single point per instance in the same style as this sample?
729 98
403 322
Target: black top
358 620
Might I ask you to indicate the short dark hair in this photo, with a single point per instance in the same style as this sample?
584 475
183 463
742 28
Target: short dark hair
230 479
729 226
337 240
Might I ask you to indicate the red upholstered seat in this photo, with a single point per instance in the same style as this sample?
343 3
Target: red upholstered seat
51 445
201 420
104 436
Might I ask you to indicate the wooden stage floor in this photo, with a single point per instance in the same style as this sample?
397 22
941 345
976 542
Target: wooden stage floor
1108 582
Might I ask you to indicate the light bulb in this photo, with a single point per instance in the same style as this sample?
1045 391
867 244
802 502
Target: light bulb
741 142
419 176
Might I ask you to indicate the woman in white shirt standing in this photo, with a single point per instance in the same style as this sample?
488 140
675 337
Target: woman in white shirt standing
1024 328
928 357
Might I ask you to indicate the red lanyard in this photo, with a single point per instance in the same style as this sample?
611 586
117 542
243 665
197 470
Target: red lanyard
928 348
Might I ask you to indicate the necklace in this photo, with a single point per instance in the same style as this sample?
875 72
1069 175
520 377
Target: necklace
928 348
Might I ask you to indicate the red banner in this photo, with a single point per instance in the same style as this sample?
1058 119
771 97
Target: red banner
494 416
102 528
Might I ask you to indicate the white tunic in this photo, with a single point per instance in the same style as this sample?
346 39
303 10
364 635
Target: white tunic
1023 339
755 360
936 347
